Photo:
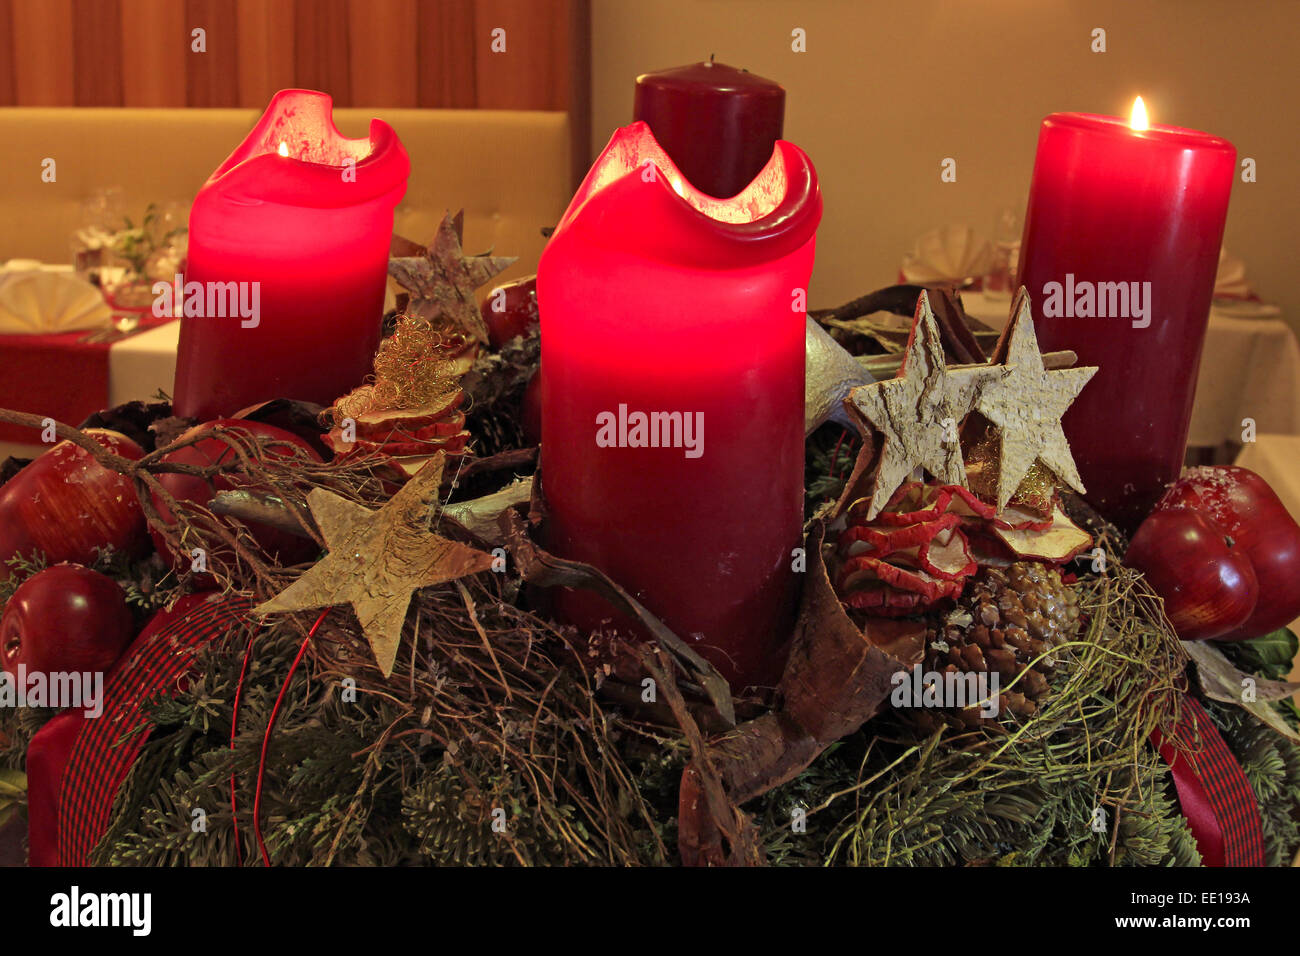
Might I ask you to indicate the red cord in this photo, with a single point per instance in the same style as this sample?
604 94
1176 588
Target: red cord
234 725
853 443
266 740
835 468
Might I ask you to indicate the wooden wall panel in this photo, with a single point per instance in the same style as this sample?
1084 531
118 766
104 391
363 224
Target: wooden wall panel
265 49
578 101
384 51
6 55
155 44
446 54
322 52
212 77
380 53
97 52
41 49
536 47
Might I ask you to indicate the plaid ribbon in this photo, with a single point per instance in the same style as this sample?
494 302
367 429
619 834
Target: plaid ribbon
106 747
1213 792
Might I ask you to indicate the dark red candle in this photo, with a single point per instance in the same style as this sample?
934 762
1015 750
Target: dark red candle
719 124
673 395
1119 254
298 221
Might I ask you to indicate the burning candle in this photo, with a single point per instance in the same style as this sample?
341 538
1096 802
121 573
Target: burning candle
288 259
672 403
719 124
1119 254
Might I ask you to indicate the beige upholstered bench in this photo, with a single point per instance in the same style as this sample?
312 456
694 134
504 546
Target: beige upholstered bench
509 170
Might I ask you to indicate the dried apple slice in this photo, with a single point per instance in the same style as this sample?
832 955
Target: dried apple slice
936 547
1061 542
882 542
1019 518
880 600
987 549
948 555
384 420
917 502
857 573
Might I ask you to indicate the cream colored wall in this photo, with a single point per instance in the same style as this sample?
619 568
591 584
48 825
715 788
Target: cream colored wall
886 90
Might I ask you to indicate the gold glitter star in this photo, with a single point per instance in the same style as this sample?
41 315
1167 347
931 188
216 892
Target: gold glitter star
377 558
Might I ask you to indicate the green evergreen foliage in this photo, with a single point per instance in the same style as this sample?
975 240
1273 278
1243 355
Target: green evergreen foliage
491 745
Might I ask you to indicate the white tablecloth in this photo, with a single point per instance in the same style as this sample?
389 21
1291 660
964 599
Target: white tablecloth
1250 368
141 365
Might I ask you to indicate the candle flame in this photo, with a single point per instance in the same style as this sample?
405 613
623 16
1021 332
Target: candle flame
1139 117
284 148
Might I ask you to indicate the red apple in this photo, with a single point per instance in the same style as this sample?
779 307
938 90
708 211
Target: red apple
50 749
510 309
65 505
65 618
1207 583
288 548
1242 505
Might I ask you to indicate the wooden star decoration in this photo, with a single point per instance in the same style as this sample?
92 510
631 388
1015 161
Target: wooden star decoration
918 412
1025 407
377 558
442 281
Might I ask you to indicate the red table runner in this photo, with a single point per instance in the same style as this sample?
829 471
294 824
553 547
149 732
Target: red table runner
55 376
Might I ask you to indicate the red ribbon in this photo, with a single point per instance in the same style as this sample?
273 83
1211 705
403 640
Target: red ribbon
81 762
1216 798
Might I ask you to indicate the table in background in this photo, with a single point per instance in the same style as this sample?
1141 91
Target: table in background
1250 368
138 367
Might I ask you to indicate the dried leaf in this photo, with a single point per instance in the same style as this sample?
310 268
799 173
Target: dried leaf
481 516
830 374
539 567
836 679
1221 681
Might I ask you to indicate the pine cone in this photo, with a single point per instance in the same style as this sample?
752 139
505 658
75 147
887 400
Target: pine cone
1007 619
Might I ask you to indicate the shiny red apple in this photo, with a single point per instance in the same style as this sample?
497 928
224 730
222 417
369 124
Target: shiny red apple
50 750
65 505
1207 582
287 548
65 618
511 309
1246 508
1242 505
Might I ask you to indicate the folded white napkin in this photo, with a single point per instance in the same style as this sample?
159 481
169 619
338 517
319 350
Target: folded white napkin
1230 281
948 254
38 302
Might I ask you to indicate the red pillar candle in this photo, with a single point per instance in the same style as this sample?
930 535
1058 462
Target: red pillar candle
672 403
719 124
1119 253
307 215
